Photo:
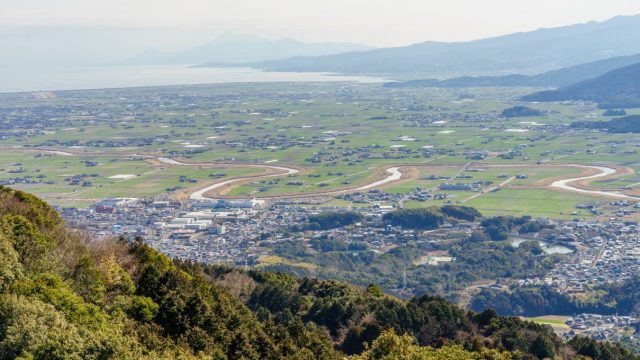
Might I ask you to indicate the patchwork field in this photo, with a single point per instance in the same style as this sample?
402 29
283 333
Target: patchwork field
339 136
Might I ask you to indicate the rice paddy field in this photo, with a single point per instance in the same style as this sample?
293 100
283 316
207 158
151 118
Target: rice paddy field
339 135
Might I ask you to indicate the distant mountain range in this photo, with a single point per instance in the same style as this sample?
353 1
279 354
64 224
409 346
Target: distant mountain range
556 78
239 48
523 53
619 88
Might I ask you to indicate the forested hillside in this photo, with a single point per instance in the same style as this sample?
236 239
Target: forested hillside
66 296
555 78
621 125
618 298
616 89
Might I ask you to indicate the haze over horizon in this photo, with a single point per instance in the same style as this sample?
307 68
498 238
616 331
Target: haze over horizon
383 24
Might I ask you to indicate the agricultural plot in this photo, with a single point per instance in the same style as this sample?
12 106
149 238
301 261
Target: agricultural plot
534 202
83 180
339 135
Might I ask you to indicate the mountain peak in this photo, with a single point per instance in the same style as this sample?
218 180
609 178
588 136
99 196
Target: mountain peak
243 48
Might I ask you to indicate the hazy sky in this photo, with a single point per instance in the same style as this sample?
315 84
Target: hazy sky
372 22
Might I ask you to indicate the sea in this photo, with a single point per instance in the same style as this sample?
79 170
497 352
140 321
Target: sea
101 77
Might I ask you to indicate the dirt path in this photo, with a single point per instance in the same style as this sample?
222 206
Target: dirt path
573 184
576 183
579 183
393 174
272 171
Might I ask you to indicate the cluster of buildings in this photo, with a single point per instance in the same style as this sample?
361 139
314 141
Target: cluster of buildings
241 232
207 231
376 196
607 252
230 231
605 327
27 179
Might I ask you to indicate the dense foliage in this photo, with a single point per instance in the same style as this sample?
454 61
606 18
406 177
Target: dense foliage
614 112
422 218
623 125
461 212
332 220
475 260
619 88
65 297
501 227
525 301
520 111
617 298
402 269
326 244
390 346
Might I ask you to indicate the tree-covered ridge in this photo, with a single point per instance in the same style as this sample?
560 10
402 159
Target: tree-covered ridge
63 296
431 217
461 212
521 111
332 220
616 89
614 112
622 125
616 298
555 78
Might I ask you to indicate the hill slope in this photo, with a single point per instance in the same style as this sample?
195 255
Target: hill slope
622 125
616 89
63 296
524 53
555 78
